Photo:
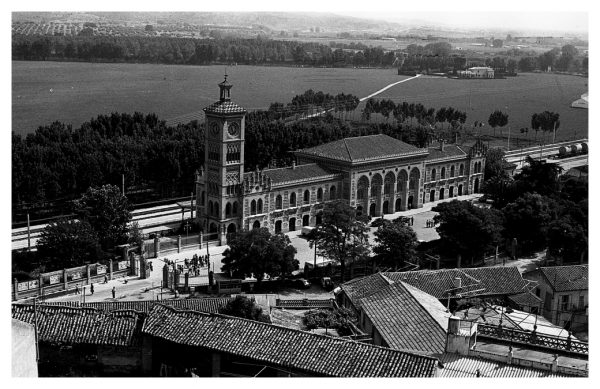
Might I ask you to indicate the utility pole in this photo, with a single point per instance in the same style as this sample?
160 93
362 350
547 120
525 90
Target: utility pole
35 330
28 234
554 133
123 184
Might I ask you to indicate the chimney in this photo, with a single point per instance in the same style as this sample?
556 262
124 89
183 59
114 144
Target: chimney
457 282
555 363
460 341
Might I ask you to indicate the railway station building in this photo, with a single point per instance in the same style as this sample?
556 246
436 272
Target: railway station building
377 174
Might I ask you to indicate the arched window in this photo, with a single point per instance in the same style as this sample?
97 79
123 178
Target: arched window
306 196
228 210
217 210
388 183
210 207
202 198
234 209
452 171
293 199
376 185
256 224
362 188
253 207
320 194
278 202
332 193
461 170
259 206
432 175
443 174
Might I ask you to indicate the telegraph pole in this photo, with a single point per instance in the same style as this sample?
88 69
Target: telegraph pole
28 234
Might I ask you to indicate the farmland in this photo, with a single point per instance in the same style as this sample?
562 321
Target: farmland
81 91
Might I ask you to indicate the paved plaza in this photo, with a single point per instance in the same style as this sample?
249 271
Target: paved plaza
150 288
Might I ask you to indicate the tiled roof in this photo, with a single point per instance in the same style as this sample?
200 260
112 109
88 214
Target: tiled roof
527 299
360 288
407 318
565 278
287 175
82 325
493 281
450 151
363 148
208 305
288 319
293 349
224 107
460 366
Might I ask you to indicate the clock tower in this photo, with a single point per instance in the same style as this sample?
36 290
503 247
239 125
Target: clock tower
218 183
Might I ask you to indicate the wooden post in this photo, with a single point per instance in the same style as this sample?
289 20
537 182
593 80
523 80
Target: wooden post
87 272
41 285
28 234
178 243
156 246
65 282
16 289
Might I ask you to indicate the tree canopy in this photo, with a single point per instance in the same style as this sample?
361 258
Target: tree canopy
107 212
68 243
259 252
341 237
467 230
396 243
246 308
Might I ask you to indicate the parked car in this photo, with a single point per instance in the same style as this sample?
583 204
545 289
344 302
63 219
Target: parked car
301 283
326 283
377 222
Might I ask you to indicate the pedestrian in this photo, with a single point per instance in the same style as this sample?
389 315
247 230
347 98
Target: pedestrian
91 288
77 289
105 279
114 292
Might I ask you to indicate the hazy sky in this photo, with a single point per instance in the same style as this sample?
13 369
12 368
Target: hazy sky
555 21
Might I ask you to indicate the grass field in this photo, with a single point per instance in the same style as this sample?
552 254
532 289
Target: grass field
519 96
81 91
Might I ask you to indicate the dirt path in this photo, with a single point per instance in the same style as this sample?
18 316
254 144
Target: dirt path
388 87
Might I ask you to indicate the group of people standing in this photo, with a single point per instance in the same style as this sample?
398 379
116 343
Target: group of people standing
192 265
430 223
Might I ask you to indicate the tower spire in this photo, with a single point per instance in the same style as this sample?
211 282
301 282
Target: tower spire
225 87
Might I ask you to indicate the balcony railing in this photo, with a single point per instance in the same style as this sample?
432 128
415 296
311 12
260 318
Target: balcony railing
532 338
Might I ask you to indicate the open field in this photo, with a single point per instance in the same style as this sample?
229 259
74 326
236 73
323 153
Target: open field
81 91
519 96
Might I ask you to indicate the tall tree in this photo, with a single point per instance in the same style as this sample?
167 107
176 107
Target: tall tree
527 219
68 243
538 176
341 237
107 211
546 121
467 230
396 243
242 306
259 252
497 119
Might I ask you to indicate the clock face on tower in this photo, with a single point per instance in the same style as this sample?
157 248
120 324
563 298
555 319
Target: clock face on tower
214 129
234 129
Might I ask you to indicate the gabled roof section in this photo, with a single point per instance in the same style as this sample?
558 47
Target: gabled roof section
407 318
484 281
566 278
460 366
82 325
224 108
299 173
208 305
359 288
299 350
450 151
363 149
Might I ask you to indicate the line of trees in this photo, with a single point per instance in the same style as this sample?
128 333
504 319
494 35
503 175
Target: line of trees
170 50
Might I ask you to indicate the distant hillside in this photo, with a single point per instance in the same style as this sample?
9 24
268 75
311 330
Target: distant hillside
271 20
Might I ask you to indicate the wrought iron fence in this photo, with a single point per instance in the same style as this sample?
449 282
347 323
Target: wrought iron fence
533 338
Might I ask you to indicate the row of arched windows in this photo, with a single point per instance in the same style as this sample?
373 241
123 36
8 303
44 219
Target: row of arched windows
377 182
305 197
461 171
256 207
477 167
